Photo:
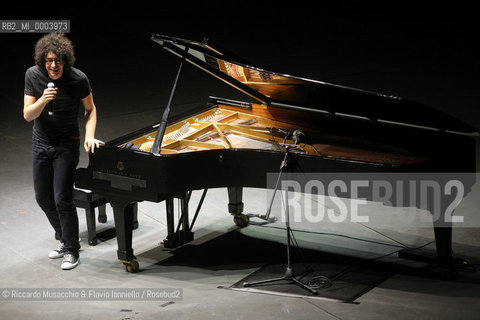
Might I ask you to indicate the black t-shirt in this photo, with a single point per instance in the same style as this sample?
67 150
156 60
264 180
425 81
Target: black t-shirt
72 86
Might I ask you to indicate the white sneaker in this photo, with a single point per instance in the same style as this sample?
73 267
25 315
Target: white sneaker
69 261
57 253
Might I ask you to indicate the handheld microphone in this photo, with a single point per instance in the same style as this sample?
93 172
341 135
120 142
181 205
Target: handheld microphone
50 111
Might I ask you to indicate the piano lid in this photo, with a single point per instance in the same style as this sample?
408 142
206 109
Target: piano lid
271 88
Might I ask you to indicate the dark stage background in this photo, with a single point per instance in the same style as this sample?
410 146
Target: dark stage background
427 53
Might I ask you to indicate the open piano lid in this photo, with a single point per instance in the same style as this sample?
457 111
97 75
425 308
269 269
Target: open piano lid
287 91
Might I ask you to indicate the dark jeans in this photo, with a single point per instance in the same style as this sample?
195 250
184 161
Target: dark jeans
53 176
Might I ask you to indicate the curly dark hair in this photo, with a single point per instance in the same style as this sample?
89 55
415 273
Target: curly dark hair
59 44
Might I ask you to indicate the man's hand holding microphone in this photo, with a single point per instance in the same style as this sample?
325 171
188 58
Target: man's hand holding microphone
49 95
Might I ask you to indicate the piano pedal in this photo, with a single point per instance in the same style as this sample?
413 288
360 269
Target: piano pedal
130 265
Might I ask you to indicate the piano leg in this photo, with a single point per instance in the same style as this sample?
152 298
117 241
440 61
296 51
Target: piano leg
444 266
443 242
123 213
235 206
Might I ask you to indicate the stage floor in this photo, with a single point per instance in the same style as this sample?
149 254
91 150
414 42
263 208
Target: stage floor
27 238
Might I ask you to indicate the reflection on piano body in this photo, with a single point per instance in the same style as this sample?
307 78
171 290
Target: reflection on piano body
234 144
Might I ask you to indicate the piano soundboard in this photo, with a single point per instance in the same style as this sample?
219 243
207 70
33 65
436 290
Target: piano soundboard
229 127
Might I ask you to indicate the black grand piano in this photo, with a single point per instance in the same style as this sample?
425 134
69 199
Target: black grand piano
234 144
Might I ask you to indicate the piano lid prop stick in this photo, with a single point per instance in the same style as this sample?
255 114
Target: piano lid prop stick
156 147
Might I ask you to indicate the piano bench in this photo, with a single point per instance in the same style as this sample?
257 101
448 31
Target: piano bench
89 200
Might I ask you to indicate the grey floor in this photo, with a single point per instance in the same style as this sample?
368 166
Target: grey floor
27 239
429 62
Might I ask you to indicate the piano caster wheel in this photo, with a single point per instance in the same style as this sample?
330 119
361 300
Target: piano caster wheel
130 266
241 220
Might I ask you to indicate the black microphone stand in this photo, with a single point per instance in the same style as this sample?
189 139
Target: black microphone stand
289 273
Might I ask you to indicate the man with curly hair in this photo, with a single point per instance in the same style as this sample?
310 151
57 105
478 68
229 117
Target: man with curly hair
56 136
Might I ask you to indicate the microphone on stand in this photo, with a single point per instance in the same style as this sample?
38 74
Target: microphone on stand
298 136
50 107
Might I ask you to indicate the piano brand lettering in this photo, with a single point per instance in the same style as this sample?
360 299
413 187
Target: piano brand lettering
120 166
